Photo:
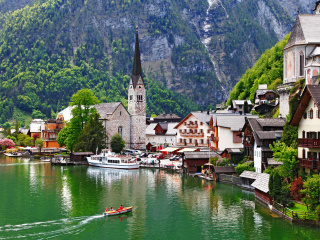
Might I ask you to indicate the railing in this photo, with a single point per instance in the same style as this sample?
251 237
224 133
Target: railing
310 163
192 134
192 125
56 130
301 215
49 139
309 142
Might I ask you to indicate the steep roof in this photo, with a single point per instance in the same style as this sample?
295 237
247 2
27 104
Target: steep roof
262 182
105 109
306 30
200 155
166 116
234 122
227 169
150 129
310 91
249 174
271 122
136 69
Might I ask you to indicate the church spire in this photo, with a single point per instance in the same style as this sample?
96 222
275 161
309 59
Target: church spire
136 69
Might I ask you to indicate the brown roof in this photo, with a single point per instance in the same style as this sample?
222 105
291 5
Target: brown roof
266 134
200 155
227 169
310 91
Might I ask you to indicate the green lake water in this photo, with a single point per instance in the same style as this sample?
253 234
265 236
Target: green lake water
40 201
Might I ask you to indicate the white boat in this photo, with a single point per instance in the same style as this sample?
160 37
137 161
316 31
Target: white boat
13 154
107 159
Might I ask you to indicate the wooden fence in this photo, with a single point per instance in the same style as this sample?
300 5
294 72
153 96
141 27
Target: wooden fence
298 215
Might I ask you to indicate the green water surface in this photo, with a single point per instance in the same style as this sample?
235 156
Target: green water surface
40 201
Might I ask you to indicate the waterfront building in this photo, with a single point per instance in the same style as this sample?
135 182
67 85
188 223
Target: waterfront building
36 126
50 132
307 119
265 100
162 133
258 134
301 55
261 189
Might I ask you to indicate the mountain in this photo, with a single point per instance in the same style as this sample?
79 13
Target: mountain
51 48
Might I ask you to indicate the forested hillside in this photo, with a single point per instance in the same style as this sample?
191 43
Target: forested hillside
40 69
267 70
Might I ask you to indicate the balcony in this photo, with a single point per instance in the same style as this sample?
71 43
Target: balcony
309 142
56 130
192 134
192 125
310 163
49 139
215 139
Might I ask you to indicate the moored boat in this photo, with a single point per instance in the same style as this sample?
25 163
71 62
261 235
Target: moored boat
118 211
107 159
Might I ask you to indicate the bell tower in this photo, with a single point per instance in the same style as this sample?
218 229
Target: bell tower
137 102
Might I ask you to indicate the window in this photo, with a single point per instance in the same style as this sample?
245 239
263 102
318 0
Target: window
318 113
303 154
201 123
301 64
196 122
190 140
240 106
120 131
201 141
180 140
201 130
180 130
285 66
303 134
120 113
139 98
131 97
305 115
311 114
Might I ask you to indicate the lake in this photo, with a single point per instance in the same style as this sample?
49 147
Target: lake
40 201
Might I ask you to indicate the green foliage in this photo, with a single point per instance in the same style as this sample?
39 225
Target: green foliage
267 70
117 143
92 136
241 167
290 135
295 95
63 136
25 140
14 139
289 157
275 185
39 143
311 192
217 161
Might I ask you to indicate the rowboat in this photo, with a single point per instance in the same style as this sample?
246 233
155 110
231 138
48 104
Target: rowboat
118 211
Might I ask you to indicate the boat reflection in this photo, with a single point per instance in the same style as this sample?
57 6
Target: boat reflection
107 175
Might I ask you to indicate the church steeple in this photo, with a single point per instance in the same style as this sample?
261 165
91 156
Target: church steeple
136 69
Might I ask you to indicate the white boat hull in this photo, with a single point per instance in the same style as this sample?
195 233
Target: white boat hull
114 166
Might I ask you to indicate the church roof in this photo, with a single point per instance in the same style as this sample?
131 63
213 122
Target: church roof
306 30
105 109
136 69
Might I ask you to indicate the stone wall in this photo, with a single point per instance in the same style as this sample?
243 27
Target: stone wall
284 92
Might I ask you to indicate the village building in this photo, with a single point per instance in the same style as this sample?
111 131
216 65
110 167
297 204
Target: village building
235 155
50 132
265 100
307 119
36 126
301 55
258 134
131 123
164 117
240 106
247 178
194 161
161 134
261 189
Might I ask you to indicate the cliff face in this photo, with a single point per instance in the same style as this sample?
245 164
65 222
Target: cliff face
197 48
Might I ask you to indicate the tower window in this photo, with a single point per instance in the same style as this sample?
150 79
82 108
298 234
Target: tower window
131 97
120 131
139 86
139 98
301 70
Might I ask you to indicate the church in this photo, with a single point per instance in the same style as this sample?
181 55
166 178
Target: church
301 55
131 123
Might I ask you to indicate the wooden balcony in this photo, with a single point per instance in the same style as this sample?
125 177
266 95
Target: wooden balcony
310 163
215 139
192 134
49 139
308 142
192 125
56 130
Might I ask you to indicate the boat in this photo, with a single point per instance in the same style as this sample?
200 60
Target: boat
107 159
45 159
13 154
118 211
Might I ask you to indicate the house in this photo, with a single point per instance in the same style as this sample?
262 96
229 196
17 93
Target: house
247 178
225 170
301 55
164 117
307 119
131 123
265 99
258 134
50 132
193 161
239 106
235 155
261 189
36 126
161 133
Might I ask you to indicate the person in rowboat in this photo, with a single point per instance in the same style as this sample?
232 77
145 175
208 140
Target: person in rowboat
106 209
111 209
121 208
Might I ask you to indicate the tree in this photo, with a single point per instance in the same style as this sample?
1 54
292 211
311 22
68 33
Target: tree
25 140
117 143
6 143
62 136
297 186
92 136
246 107
311 192
289 157
39 143
16 127
241 167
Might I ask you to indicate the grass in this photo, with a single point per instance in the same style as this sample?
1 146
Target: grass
299 207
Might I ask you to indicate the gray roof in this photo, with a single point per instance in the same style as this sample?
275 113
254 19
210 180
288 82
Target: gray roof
271 161
169 128
150 129
306 30
234 122
221 169
82 153
315 52
164 126
271 122
203 116
200 155
266 134
263 92
105 109
249 174
234 150
167 116
262 182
